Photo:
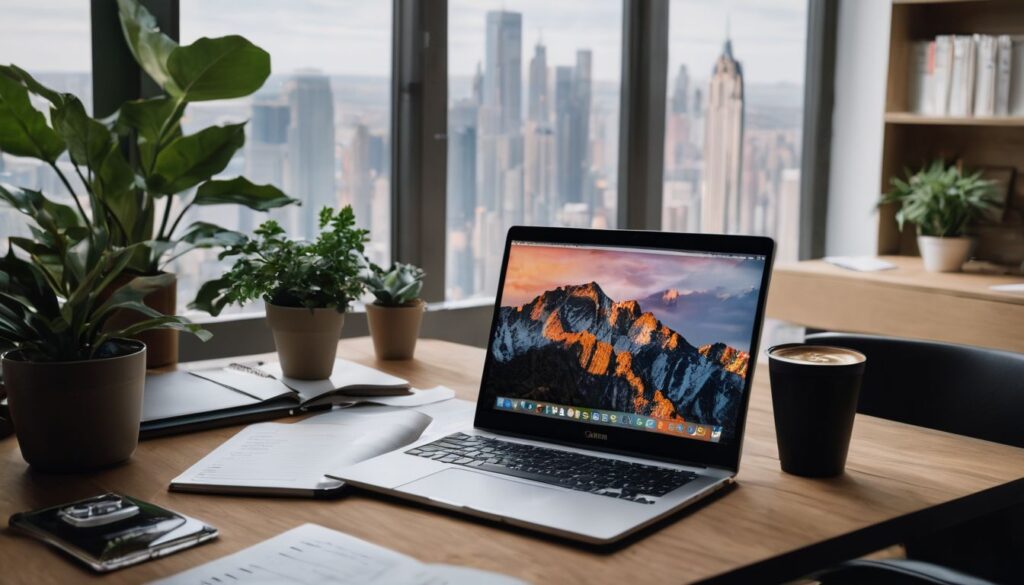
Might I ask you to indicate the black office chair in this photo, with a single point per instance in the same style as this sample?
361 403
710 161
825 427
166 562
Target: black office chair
958 389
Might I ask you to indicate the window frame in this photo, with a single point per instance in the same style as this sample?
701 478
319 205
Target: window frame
419 153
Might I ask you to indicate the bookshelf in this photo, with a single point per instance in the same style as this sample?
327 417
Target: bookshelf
912 140
907 301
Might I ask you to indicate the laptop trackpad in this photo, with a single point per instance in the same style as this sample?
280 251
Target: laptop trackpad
469 489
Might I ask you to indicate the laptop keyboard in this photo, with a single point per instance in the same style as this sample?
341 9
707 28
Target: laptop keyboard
634 482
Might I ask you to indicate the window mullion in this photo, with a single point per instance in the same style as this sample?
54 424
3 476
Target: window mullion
642 113
419 146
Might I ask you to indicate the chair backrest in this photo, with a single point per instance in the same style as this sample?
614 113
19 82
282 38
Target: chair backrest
959 389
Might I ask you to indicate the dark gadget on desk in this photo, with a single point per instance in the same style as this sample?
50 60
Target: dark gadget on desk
615 386
112 531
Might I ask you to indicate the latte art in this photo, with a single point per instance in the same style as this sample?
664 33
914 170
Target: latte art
818 355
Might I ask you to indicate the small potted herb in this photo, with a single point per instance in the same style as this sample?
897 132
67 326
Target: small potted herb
306 286
394 317
941 201
74 386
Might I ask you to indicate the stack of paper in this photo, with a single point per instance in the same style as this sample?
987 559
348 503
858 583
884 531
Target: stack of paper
314 555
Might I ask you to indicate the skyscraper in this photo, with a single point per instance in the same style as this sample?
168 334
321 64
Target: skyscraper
723 146
361 176
578 163
539 86
563 125
309 172
503 68
681 91
265 149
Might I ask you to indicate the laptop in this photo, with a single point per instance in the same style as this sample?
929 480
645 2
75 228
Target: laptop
614 390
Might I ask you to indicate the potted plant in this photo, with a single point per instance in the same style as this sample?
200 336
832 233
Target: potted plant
306 287
394 317
143 198
941 201
74 386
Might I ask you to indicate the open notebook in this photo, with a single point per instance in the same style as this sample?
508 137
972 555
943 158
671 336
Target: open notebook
188 401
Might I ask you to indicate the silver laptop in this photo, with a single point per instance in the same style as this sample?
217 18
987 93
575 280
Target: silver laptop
615 387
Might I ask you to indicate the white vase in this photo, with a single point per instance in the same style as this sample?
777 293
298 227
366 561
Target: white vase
944 254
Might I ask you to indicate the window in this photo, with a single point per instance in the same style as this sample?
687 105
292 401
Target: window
319 129
733 119
52 42
532 126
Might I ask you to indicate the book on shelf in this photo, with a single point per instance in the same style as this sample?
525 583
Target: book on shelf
1016 107
961 82
964 76
985 75
1004 52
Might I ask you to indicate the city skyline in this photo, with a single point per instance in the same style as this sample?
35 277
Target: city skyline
538 146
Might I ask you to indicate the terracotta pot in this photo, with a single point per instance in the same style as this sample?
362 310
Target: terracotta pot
306 340
76 416
944 254
395 329
161 344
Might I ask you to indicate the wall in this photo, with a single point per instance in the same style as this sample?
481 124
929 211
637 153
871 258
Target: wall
862 54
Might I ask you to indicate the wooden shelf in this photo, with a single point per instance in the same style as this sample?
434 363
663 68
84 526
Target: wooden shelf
912 118
905 302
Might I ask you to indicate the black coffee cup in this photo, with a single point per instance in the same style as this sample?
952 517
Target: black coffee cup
814 395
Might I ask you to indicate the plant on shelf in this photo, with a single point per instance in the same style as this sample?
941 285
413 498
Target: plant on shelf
141 200
395 316
942 201
306 286
74 385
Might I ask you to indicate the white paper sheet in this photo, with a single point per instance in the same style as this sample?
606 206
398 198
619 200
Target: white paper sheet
290 458
448 416
860 263
314 555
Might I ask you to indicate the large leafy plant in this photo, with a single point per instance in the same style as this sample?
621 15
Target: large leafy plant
54 306
940 200
328 272
139 173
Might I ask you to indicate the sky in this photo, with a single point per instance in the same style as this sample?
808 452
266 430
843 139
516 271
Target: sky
353 36
717 295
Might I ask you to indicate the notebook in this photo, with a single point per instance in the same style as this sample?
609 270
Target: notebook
311 554
180 401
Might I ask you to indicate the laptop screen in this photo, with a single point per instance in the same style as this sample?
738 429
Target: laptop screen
651 340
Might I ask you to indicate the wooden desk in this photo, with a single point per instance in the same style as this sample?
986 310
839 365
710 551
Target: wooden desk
905 302
900 480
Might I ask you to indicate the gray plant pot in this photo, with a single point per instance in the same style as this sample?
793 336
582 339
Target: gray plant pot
76 416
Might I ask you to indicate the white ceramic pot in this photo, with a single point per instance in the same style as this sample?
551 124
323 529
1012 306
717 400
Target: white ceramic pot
944 254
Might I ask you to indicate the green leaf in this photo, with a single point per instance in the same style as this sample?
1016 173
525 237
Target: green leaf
23 129
18 74
150 47
149 118
165 322
206 235
88 141
189 160
221 68
213 296
243 192
53 218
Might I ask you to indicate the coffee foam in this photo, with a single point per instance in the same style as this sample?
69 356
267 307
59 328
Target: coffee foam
818 355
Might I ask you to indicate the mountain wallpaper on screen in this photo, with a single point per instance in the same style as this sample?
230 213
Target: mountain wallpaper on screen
574 345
